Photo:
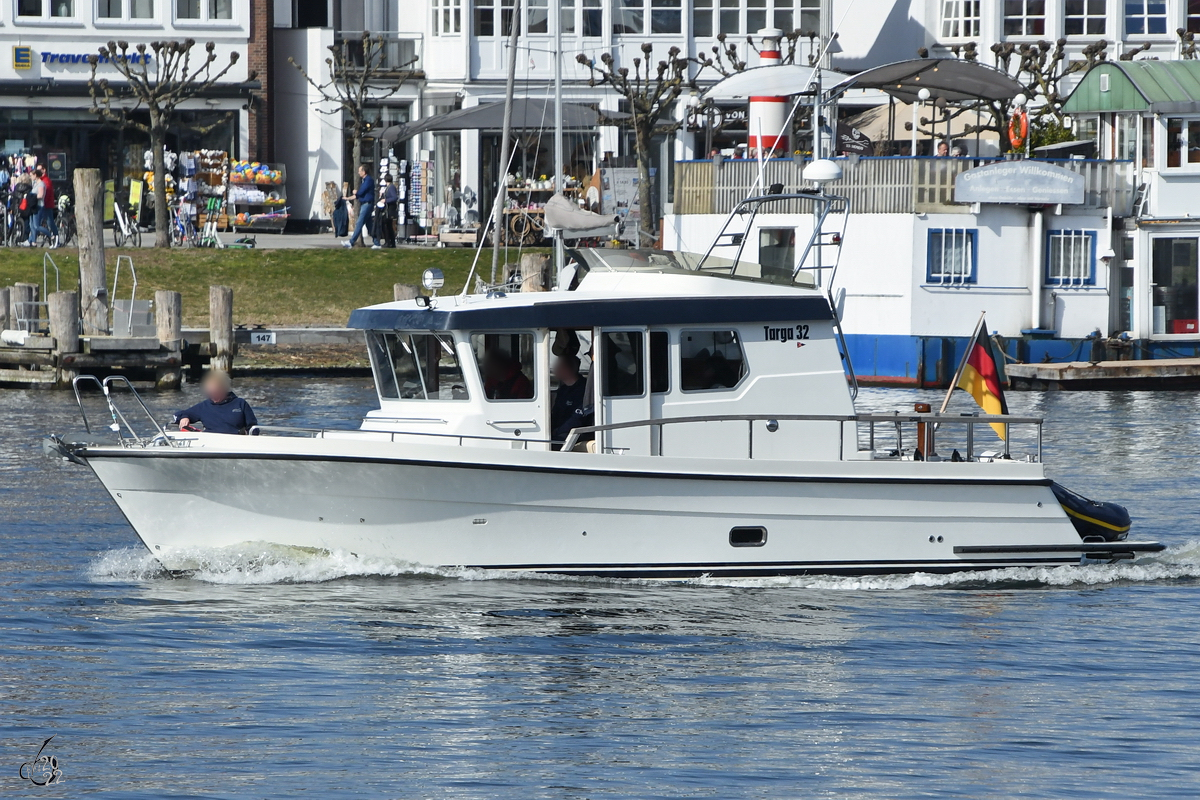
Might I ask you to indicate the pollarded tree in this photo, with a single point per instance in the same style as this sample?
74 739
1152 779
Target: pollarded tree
650 90
359 75
158 78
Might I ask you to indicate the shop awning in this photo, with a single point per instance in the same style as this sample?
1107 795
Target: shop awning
527 113
952 79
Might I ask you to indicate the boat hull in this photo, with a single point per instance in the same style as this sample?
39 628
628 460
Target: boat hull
586 514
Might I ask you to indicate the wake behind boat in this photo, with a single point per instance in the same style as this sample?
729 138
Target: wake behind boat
715 435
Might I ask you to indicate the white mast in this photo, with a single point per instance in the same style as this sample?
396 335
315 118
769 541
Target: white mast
505 139
559 167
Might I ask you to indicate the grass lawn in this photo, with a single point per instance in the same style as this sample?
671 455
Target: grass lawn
270 287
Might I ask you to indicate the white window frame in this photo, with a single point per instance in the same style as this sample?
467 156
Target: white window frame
962 245
960 19
1024 18
447 17
577 11
1080 247
205 17
46 16
1188 125
1145 18
1086 17
783 14
126 10
648 9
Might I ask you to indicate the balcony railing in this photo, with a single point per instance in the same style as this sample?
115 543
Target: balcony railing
402 52
896 185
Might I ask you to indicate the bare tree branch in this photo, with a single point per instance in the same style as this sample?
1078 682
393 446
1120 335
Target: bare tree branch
158 78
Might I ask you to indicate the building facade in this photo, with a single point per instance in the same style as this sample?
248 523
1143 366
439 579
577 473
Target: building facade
45 71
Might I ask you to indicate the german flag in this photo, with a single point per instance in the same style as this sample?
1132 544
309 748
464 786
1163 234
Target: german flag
981 379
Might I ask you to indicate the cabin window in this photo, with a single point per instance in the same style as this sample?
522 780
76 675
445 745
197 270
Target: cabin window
624 366
1085 18
710 360
660 366
1183 142
777 252
417 365
951 256
1070 257
506 364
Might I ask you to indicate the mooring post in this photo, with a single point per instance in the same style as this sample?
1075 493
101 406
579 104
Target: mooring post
220 327
89 220
65 328
405 291
5 317
535 268
168 319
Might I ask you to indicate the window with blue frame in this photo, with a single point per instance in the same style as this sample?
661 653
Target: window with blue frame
951 256
1071 258
1145 17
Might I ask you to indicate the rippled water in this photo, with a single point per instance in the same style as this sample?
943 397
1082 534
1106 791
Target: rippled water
277 674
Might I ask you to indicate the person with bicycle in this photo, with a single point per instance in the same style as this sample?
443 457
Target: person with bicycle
43 218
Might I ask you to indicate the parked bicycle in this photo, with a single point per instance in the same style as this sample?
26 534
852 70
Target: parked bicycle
125 223
66 220
183 230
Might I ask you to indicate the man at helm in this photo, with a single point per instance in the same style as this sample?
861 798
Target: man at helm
221 411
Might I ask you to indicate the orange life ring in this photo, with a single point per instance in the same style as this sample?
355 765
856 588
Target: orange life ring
1018 122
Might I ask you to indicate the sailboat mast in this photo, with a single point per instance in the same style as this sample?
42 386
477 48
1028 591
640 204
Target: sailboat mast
505 138
559 167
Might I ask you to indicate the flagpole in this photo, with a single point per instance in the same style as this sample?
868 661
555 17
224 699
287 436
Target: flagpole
962 363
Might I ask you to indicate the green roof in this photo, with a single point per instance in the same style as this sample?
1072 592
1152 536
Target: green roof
1159 86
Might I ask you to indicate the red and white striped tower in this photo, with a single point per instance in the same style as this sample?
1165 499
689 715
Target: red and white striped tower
768 115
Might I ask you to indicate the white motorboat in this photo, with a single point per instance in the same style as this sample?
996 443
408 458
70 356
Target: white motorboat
724 442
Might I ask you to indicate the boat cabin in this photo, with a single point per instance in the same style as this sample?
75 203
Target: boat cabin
649 336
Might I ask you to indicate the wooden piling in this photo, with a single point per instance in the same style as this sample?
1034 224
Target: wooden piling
65 328
405 291
168 319
535 269
5 317
89 220
220 327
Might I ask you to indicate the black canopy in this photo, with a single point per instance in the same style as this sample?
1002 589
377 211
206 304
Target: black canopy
953 79
527 113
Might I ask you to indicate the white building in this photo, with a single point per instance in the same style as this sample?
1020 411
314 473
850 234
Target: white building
43 78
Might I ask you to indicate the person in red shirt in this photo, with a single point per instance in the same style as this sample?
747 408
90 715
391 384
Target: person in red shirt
43 220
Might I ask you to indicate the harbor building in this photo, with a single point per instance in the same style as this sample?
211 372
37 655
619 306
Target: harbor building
45 70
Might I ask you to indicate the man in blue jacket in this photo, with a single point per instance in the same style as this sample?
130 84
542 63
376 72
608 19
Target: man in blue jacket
365 196
222 411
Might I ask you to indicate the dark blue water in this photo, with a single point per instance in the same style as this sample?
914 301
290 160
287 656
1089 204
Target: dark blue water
284 675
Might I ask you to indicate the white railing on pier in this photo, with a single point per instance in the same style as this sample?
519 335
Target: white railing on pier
889 185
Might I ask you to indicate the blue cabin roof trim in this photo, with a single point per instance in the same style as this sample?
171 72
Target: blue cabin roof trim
598 313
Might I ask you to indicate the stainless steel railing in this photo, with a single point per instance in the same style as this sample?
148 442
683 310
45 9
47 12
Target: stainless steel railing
924 437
